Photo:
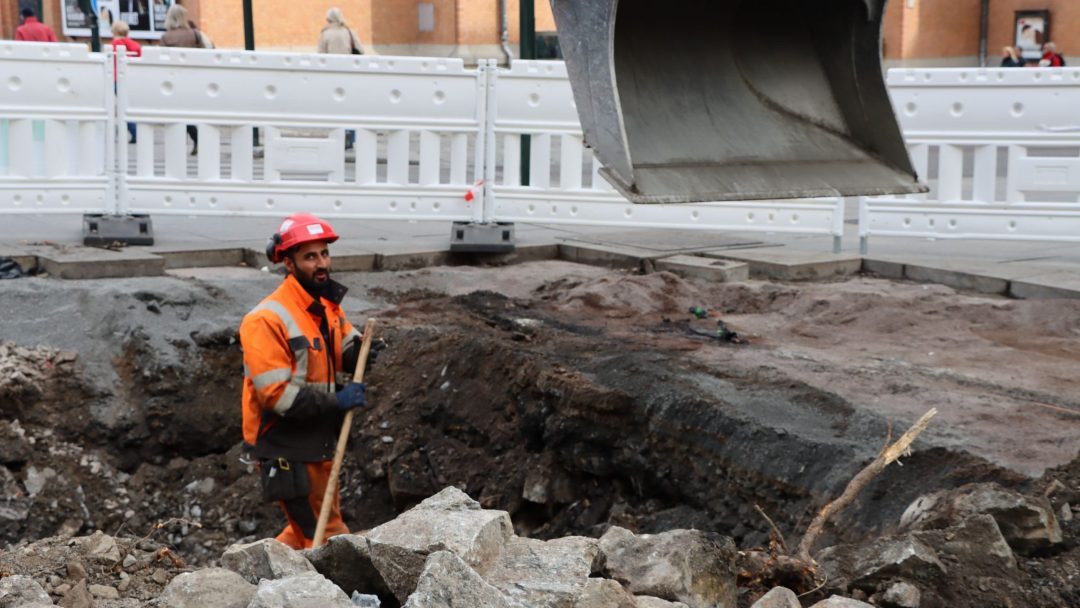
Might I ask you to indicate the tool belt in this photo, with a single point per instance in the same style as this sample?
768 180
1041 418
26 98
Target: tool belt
283 479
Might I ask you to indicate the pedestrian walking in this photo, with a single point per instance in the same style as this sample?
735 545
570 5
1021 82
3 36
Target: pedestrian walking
300 353
336 38
121 32
180 33
33 30
1010 58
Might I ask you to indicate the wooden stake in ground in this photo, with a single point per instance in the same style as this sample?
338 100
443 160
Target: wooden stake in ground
343 439
888 454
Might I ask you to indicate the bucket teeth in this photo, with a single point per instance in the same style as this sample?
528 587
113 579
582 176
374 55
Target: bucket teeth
713 100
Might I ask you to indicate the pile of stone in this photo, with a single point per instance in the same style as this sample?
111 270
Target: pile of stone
23 368
448 551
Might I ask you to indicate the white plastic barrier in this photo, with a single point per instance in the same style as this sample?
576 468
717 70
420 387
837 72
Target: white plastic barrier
414 119
1000 148
56 125
534 98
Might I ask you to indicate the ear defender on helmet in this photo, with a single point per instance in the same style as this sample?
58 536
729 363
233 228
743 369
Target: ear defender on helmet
272 248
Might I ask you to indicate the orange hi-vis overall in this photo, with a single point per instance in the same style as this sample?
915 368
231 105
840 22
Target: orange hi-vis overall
292 366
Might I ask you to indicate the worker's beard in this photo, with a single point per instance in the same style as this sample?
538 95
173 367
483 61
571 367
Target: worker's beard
315 283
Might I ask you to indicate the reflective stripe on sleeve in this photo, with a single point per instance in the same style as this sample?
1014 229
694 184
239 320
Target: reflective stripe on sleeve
265 379
299 377
285 403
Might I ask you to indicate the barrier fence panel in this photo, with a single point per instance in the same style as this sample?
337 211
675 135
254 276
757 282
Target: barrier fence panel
342 135
56 127
534 98
1000 149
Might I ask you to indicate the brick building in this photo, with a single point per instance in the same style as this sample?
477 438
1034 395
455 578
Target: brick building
916 32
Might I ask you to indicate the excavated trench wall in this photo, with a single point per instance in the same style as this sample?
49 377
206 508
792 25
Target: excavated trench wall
135 421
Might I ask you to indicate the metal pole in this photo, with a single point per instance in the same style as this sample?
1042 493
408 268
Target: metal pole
249 45
984 29
527 31
249 27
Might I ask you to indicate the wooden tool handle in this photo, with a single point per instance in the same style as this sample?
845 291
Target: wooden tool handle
343 440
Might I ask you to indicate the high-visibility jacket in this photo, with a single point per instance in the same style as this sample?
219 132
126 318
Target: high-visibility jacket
292 366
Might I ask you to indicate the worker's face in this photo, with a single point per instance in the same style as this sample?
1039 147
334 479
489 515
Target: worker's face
310 264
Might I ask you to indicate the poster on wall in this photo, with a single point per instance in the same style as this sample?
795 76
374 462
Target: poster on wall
1031 31
146 18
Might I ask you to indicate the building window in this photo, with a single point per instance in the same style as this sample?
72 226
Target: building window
426 14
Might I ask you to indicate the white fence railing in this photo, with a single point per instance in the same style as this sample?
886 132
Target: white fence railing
429 139
999 148
56 115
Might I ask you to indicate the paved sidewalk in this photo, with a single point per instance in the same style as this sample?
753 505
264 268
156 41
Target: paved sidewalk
1022 269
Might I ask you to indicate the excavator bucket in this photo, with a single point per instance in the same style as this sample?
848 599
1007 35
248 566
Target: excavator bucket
712 100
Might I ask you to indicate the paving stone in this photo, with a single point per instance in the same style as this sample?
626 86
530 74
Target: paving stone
78 262
957 279
195 256
886 268
1047 286
789 264
611 256
709 269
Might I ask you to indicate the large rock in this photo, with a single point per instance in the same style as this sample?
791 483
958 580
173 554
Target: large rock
1027 523
100 547
448 582
264 559
604 593
308 590
841 602
690 566
346 560
901 595
19 590
14 503
447 521
778 597
542 574
209 588
864 566
976 543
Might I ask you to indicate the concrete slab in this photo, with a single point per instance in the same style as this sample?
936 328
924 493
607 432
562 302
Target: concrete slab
709 269
668 240
411 260
521 254
785 265
607 255
78 262
199 256
1047 286
886 268
957 279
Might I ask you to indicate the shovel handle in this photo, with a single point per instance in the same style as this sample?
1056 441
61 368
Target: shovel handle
343 440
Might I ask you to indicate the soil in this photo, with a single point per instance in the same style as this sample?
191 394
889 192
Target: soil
572 397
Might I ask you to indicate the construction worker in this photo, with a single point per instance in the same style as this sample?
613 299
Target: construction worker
299 356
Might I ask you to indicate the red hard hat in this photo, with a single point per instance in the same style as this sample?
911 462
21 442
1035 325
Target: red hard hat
297 229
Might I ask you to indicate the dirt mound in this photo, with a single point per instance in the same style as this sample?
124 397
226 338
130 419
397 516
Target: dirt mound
622 296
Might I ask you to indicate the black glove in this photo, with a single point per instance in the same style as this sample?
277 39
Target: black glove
351 396
377 345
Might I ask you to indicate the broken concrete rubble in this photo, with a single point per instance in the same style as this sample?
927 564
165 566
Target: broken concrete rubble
690 566
543 574
449 520
209 588
900 595
1027 523
264 559
447 580
299 591
778 597
346 560
20 590
864 566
